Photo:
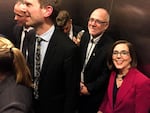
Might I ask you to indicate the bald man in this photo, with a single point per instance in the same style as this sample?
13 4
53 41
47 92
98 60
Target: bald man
94 46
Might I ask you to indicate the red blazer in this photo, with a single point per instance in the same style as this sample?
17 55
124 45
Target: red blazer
132 97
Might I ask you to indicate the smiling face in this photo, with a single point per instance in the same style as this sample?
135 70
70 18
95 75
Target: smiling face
38 13
98 22
20 13
121 57
34 12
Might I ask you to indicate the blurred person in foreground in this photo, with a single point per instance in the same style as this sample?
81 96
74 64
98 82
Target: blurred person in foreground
94 47
15 80
129 89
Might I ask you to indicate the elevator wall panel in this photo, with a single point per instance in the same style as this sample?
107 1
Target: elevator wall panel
130 20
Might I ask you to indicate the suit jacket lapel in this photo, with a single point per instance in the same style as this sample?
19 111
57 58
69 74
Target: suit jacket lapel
17 34
84 48
31 52
111 88
93 55
97 50
50 51
125 87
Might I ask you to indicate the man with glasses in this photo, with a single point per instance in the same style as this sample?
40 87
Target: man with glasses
94 75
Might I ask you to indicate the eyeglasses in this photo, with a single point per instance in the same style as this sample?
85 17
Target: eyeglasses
96 21
121 53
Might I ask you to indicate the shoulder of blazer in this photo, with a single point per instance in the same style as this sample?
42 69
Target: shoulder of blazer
139 76
85 37
106 39
61 39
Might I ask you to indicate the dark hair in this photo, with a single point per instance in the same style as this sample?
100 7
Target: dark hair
131 52
54 4
62 18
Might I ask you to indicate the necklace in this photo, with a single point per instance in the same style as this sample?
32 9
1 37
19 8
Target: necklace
120 77
119 80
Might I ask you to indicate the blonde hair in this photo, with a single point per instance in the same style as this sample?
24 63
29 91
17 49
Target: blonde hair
15 62
20 5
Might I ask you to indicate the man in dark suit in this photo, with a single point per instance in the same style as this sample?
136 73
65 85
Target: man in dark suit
56 86
19 17
64 22
21 32
93 48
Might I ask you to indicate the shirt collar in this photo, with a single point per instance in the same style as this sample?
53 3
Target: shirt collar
47 35
96 39
27 29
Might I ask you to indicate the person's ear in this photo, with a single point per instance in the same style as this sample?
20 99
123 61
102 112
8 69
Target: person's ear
48 11
106 25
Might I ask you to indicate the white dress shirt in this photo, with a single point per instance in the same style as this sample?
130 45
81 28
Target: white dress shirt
91 45
44 44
